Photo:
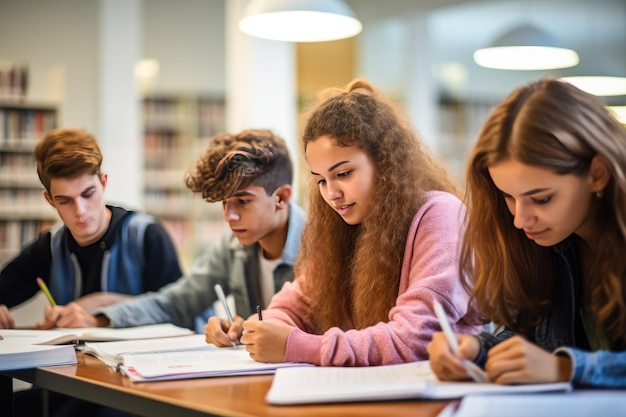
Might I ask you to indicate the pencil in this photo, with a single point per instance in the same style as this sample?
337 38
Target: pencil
46 291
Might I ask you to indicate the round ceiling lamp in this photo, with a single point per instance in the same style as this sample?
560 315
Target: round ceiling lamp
526 48
299 20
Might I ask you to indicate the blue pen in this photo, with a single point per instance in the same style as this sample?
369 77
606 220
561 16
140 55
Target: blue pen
220 294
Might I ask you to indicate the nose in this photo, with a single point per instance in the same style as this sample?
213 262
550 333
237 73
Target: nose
522 216
333 192
81 207
230 213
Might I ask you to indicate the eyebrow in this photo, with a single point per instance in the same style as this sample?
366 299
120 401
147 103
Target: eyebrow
534 191
531 192
332 167
242 194
64 197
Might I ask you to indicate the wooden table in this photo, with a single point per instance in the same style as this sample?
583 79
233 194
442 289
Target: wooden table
236 396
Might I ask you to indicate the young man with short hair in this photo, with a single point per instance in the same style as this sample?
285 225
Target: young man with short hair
97 249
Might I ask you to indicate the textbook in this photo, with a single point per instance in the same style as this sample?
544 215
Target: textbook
413 380
18 352
179 358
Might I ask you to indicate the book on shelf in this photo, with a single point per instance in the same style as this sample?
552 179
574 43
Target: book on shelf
179 358
413 380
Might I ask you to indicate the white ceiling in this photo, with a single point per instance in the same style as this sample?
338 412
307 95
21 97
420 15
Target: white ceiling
596 29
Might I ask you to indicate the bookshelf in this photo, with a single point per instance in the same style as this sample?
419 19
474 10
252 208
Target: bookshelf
459 125
176 131
23 211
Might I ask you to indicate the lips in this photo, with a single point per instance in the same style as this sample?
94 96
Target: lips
343 209
534 235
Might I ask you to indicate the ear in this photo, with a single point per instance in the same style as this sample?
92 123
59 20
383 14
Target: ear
104 178
600 173
48 198
284 195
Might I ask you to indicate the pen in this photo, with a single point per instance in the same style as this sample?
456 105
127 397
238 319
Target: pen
46 291
258 311
474 371
220 294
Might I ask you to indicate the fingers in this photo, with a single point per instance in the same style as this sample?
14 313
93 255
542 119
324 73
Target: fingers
443 362
220 333
72 315
6 318
266 341
517 360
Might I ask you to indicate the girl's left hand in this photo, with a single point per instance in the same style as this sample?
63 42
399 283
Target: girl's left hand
518 361
265 340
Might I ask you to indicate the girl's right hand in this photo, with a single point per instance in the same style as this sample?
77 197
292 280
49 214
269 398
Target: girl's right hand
448 365
219 331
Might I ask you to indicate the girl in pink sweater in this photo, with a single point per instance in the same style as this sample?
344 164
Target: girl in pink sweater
379 247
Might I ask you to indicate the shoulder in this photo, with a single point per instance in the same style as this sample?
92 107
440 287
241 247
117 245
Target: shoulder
440 204
441 212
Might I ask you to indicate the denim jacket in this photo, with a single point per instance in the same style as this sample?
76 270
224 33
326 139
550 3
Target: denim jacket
558 332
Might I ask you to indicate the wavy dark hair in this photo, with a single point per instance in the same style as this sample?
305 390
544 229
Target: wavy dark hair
352 272
235 161
550 124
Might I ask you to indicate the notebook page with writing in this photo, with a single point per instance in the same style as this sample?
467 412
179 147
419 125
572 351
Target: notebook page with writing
112 353
208 361
341 384
389 382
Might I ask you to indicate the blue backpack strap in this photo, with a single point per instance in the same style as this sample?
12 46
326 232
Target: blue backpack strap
63 278
125 259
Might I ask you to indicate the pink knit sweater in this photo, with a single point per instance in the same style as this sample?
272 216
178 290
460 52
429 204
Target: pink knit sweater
429 272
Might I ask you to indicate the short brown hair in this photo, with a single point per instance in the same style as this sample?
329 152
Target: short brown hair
235 161
67 152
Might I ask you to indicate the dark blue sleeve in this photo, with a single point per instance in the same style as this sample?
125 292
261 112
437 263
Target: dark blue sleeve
487 341
18 277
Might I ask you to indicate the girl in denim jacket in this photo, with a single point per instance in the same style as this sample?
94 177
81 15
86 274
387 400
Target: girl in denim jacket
545 242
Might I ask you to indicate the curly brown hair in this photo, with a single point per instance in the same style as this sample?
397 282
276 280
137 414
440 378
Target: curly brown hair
353 271
550 124
66 153
235 161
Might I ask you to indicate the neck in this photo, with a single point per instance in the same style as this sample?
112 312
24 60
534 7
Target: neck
274 243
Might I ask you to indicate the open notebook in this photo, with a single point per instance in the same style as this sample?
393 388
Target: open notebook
60 336
377 383
178 358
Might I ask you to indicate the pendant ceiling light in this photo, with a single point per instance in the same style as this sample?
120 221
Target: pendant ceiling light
299 20
599 76
525 48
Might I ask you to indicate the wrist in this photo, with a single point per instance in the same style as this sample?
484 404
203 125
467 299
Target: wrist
564 368
102 320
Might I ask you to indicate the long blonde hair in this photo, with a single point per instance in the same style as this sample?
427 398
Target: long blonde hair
353 271
550 124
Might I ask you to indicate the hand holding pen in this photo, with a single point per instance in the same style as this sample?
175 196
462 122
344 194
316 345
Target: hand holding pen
473 370
222 297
